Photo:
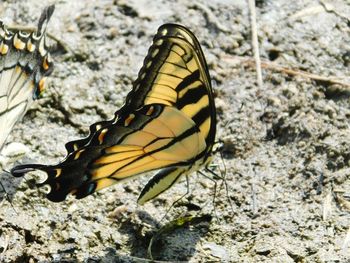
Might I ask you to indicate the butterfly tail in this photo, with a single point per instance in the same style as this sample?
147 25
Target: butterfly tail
21 170
45 18
60 180
43 56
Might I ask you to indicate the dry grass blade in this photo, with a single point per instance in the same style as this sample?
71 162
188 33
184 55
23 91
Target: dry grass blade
255 43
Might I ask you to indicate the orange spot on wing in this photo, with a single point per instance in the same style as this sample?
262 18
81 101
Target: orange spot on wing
45 64
78 153
30 46
3 49
42 85
19 44
58 172
150 111
129 119
102 135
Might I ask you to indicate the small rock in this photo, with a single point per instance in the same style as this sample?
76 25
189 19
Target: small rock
217 251
274 101
263 249
15 149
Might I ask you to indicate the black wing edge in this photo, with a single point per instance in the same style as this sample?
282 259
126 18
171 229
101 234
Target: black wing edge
41 30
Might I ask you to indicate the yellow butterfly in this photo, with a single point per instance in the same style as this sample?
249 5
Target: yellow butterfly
168 122
24 65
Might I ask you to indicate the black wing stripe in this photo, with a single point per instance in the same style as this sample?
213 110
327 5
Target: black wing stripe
201 116
192 96
177 65
188 80
14 93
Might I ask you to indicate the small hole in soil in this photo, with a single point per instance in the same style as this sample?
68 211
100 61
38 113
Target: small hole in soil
273 55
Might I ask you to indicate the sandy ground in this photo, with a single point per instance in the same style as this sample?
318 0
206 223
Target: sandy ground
287 146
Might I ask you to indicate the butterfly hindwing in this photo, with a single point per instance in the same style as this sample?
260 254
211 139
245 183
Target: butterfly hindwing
24 64
167 122
153 137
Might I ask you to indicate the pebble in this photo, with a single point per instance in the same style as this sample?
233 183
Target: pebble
217 251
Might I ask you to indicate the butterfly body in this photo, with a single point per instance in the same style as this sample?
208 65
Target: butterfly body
168 122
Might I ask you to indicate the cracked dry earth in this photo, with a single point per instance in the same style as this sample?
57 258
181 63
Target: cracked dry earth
286 146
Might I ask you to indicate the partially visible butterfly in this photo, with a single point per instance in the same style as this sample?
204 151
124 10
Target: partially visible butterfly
168 122
24 64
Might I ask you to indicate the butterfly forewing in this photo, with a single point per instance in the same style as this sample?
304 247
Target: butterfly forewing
175 73
167 122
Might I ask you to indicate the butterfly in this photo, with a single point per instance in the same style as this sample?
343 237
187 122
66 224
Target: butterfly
24 65
168 122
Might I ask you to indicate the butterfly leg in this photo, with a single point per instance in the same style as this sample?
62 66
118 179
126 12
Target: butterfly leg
224 181
179 199
215 188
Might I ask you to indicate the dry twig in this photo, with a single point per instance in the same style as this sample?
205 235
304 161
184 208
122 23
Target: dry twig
292 72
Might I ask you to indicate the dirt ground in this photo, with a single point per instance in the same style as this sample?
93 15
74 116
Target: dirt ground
287 145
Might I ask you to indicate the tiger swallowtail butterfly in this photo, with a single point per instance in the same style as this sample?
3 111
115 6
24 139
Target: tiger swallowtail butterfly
24 65
168 122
